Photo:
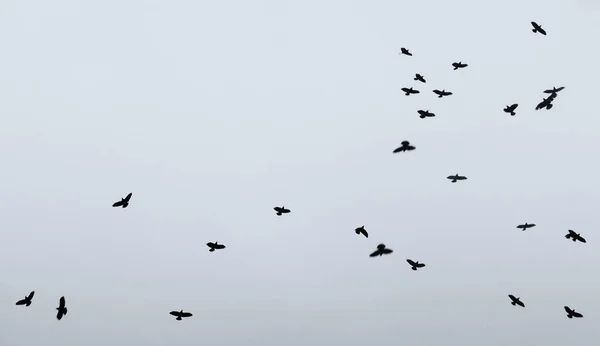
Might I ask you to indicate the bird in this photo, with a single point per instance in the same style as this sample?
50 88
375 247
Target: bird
215 246
408 91
442 93
538 28
458 65
62 309
27 300
362 230
511 109
526 226
124 202
414 264
180 314
516 301
575 236
425 114
420 78
572 313
456 177
405 51
281 210
381 250
546 102
405 147
554 90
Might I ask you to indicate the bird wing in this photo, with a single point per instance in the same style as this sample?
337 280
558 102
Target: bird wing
460 177
364 232
415 91
448 93
535 25
21 302
186 314
219 246
174 313
437 91
568 310
411 262
118 204
410 147
128 197
542 31
559 89
520 303
285 211
30 296
375 253
421 112
450 177
386 251
581 239
62 302
513 298
59 315
521 226
576 314
532 225
210 244
397 150
420 265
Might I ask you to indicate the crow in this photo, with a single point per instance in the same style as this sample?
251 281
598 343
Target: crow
546 103
405 51
516 301
62 309
408 91
511 109
538 28
27 300
526 226
572 313
458 65
124 202
215 246
362 230
180 314
414 264
442 93
281 210
420 78
575 236
456 177
554 90
381 250
405 147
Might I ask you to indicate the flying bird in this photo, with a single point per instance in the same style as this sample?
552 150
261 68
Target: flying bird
408 91
538 28
420 78
381 250
546 103
511 109
405 147
424 114
456 177
362 230
180 314
27 300
281 210
442 93
405 51
414 264
572 313
516 301
458 65
526 226
575 236
554 90
124 202
62 309
215 246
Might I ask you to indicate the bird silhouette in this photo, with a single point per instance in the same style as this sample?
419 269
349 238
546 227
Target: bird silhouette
442 93
381 250
516 301
180 314
27 300
281 210
124 202
554 90
424 114
572 313
408 91
62 309
405 51
456 177
362 230
458 65
546 102
215 246
526 226
405 147
511 109
414 265
538 28
575 236
420 78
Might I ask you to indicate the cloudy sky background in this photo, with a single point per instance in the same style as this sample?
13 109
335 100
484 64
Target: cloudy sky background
212 113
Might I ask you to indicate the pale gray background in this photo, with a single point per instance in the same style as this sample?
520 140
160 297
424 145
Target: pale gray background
212 113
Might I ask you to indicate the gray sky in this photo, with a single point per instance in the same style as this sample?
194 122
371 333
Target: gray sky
212 113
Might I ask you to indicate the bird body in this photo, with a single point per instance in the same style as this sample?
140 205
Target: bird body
27 300
458 65
526 226
180 314
215 246
425 114
124 202
420 78
405 147
456 177
408 91
405 51
381 250
362 230
516 301
538 28
575 236
414 265
281 210
572 313
62 309
511 109
442 93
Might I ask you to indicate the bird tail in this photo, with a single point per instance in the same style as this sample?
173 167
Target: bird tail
570 316
211 249
534 30
178 318
414 268
513 303
512 113
28 303
279 213
454 180
65 311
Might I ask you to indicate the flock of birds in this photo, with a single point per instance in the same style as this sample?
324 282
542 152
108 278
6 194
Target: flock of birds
405 146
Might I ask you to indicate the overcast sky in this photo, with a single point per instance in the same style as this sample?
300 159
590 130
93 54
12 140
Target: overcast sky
214 112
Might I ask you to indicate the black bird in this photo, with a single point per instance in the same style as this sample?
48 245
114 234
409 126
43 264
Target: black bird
405 51
572 235
408 91
362 230
420 78
124 202
546 103
511 109
456 177
381 250
458 65
27 300
554 90
516 301
281 210
526 226
572 313
180 314
414 264
425 114
405 147
442 93
62 309
215 246
538 28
